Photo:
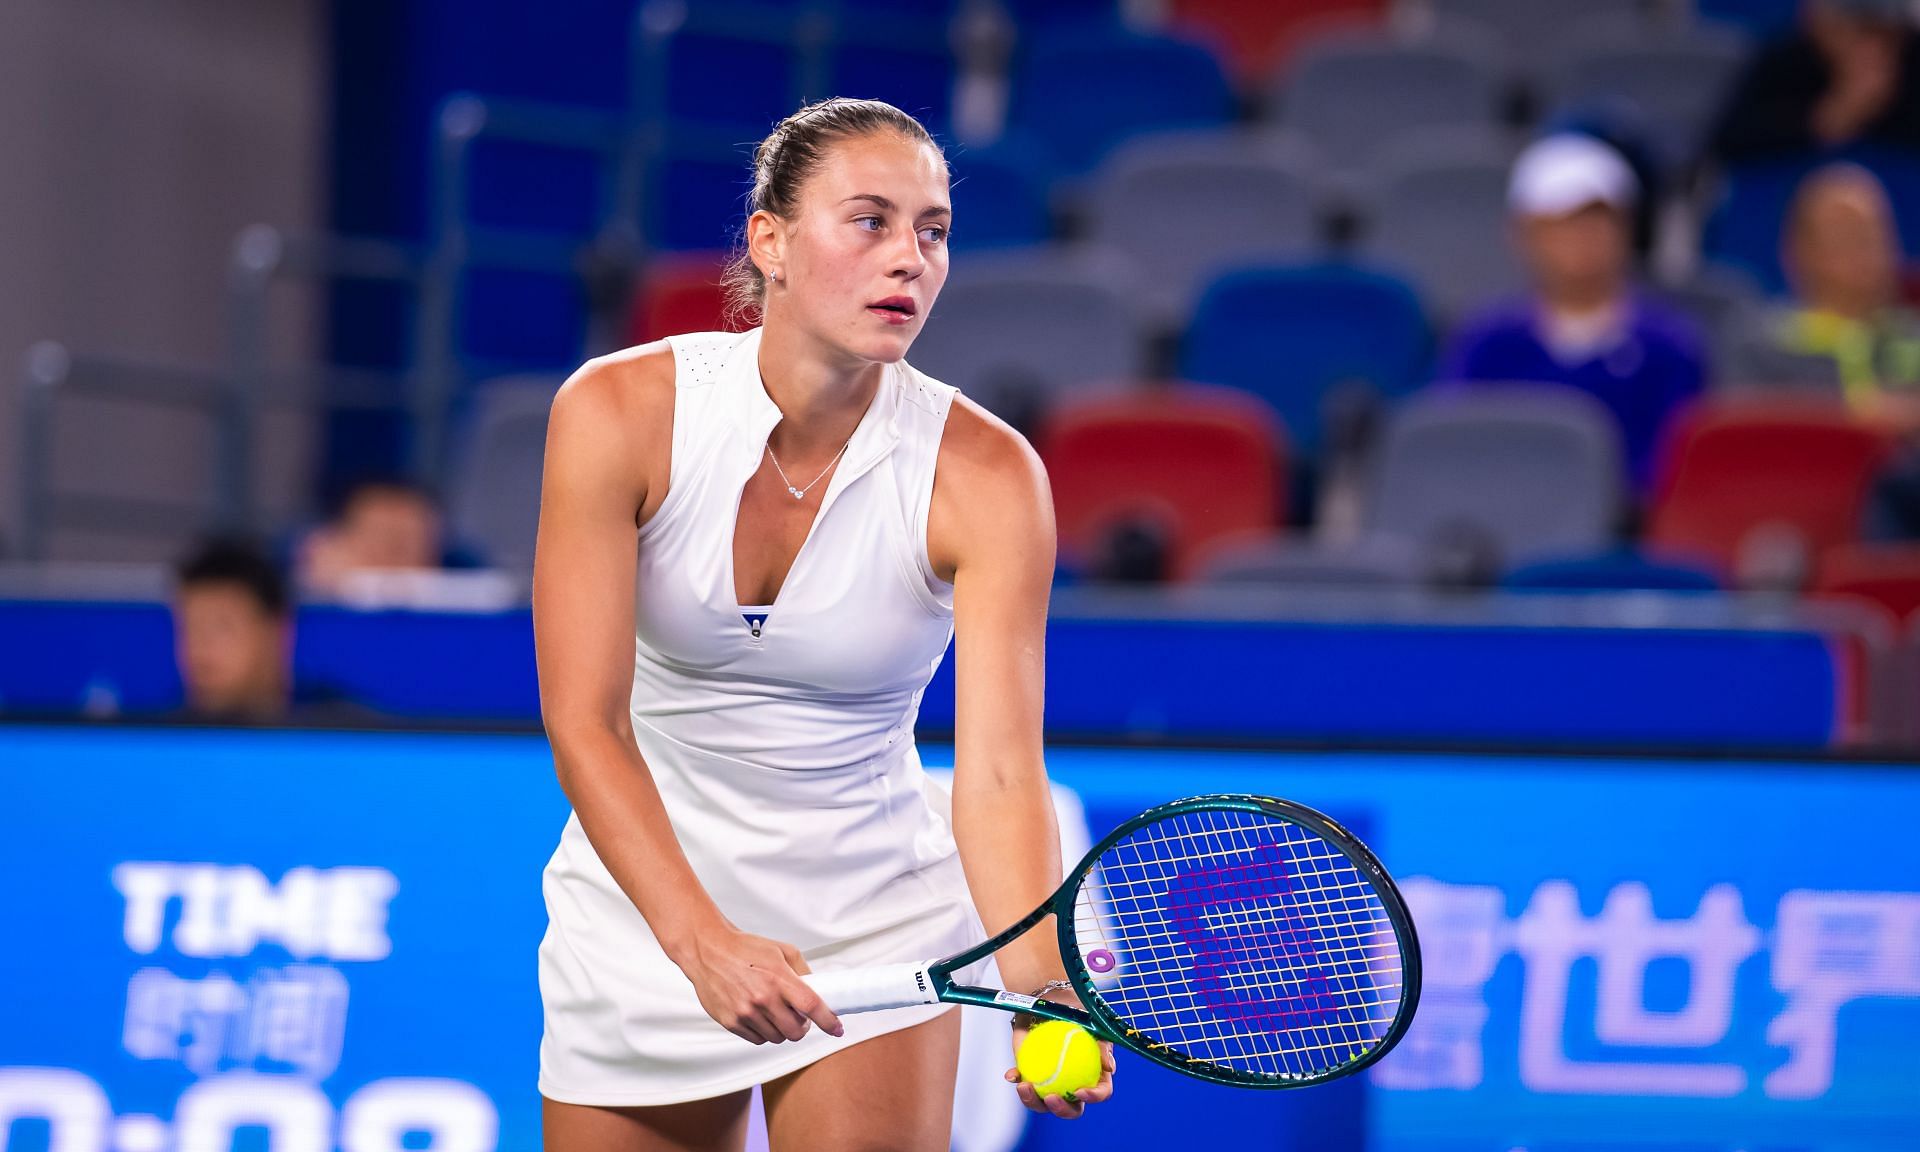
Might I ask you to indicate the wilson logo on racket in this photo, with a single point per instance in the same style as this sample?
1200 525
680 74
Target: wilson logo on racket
1254 959
1240 939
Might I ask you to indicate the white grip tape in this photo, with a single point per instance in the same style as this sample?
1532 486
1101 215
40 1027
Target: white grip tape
872 989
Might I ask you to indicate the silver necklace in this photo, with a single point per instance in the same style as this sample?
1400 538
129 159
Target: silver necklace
800 493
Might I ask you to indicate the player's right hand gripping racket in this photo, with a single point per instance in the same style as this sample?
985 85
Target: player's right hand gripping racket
1239 939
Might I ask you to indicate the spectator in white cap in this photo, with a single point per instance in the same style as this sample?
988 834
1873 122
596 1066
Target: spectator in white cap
1583 325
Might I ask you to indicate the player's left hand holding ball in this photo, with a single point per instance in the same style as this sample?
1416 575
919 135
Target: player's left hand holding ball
1059 1068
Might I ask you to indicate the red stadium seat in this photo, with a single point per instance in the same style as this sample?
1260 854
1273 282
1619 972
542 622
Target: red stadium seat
1197 463
1731 468
1886 574
1253 37
679 293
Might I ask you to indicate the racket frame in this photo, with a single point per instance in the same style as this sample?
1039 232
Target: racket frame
1101 1020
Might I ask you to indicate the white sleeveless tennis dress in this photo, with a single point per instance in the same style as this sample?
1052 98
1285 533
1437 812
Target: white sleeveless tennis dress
781 738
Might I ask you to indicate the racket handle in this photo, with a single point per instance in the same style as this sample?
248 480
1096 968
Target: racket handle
872 989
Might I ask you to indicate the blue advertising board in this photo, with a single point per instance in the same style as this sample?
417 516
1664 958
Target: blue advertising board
1416 681
256 941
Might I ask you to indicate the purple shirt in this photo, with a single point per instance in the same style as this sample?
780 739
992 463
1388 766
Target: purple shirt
1643 378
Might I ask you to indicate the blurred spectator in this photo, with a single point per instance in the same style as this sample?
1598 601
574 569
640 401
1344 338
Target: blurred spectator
382 526
233 634
233 642
1842 253
1848 75
1622 127
1572 199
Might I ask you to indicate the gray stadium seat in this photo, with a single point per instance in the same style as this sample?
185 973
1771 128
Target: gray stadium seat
1294 561
1533 30
1437 212
1180 208
1755 361
1014 331
1674 86
1349 95
494 498
1718 298
1529 470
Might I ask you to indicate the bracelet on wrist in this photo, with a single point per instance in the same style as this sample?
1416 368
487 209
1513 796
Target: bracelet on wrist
1028 1019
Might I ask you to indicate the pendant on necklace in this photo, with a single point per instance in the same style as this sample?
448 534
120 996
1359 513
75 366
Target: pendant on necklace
797 494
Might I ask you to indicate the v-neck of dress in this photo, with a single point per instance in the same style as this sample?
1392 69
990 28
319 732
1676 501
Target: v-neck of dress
872 437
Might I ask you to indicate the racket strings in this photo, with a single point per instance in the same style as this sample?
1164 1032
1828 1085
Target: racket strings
1241 940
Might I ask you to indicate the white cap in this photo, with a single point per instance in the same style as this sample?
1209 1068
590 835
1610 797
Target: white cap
1562 174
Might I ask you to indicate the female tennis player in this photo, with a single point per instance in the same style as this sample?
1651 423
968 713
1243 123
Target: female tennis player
754 550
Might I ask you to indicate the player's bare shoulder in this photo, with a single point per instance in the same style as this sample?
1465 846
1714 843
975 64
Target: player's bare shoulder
983 449
615 414
990 490
629 391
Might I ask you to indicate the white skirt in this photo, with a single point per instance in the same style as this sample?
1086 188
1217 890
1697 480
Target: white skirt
853 866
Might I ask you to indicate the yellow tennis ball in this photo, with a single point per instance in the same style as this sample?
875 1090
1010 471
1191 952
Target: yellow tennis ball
1058 1058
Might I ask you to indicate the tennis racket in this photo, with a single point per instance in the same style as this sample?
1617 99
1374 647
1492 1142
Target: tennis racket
1239 939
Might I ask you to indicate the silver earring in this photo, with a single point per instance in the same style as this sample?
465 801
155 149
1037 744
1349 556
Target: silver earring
773 275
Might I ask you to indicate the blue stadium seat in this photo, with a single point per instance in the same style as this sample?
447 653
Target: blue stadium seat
773 56
853 13
1293 335
1083 91
917 77
1744 229
528 187
1038 15
519 319
699 201
1762 18
1617 570
771 60
1000 195
761 78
